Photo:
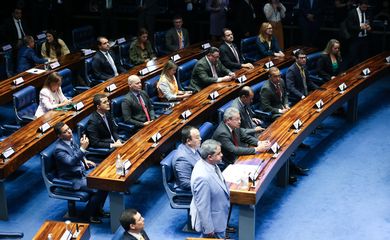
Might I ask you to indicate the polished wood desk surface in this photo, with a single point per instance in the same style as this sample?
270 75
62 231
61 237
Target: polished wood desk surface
57 229
281 130
139 150
27 141
7 88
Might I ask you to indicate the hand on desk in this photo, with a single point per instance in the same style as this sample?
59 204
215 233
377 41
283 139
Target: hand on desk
263 146
116 144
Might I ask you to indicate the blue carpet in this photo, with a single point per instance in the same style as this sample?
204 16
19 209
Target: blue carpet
346 195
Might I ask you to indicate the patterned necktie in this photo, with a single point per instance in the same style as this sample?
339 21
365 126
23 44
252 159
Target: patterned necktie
143 107
303 75
181 40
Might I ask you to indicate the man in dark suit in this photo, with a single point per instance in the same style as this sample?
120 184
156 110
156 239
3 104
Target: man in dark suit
230 56
208 70
234 140
273 94
104 63
358 26
186 156
101 128
242 103
177 37
298 79
133 223
27 58
137 107
310 20
72 166
14 29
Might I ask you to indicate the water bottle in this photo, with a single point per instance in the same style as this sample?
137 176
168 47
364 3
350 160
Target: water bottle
119 165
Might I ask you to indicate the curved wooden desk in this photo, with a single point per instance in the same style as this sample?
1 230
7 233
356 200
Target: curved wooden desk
282 133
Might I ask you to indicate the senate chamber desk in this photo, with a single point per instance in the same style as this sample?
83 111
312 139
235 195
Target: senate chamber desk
57 229
28 141
139 149
281 131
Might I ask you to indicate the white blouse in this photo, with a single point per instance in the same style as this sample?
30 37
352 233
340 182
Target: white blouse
49 100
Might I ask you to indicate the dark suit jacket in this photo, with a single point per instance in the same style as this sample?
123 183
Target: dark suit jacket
265 50
9 33
202 75
295 83
325 69
69 164
132 110
172 39
353 23
270 101
27 58
227 57
98 133
246 115
102 69
127 236
229 150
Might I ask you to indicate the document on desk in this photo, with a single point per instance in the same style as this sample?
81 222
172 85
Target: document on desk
235 172
35 71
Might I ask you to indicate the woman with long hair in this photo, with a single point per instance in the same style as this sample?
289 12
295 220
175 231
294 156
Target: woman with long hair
267 43
328 65
141 49
53 47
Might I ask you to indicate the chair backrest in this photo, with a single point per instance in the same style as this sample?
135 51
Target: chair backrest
206 130
116 108
67 85
159 43
184 72
249 49
81 128
222 109
151 88
124 54
83 37
312 61
256 92
167 168
87 72
25 103
48 165
9 68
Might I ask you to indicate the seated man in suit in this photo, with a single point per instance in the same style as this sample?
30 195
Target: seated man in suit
133 223
243 103
299 83
27 58
186 157
273 94
177 37
208 70
72 166
104 63
137 107
234 140
230 56
101 128
210 204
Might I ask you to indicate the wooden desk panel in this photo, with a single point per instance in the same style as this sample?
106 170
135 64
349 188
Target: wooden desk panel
57 229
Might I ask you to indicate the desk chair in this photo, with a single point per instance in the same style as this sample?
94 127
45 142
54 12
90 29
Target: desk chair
25 104
83 37
256 107
151 90
116 111
87 73
184 72
59 188
311 64
67 84
159 43
124 58
8 61
249 49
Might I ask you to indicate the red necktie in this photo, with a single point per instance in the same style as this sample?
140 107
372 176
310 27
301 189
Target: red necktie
234 137
278 90
143 107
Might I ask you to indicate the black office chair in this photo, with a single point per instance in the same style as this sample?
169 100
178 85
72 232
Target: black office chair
124 57
311 65
87 73
116 111
159 44
184 72
25 105
7 58
67 84
249 49
59 188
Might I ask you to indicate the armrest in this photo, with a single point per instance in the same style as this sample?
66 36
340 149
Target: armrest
62 183
28 118
80 89
317 79
162 104
262 113
12 128
126 126
11 235
104 151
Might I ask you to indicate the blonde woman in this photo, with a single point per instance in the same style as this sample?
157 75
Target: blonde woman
328 65
267 43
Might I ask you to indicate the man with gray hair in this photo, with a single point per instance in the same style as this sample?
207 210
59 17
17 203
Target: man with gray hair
137 107
234 140
211 197
208 70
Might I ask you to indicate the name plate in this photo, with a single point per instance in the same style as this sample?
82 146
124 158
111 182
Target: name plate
319 105
6 47
54 65
342 87
67 235
8 152
366 72
121 40
275 149
111 87
18 81
295 51
152 68
44 127
269 64
175 57
241 79
214 95
78 106
41 36
144 71
155 138
297 125
87 51
126 164
206 45
387 59
186 114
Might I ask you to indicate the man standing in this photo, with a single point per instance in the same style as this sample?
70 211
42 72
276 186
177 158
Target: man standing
273 94
234 140
14 29
243 104
101 128
230 56
104 63
208 70
72 166
186 157
298 79
177 37
211 198
133 223
137 107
